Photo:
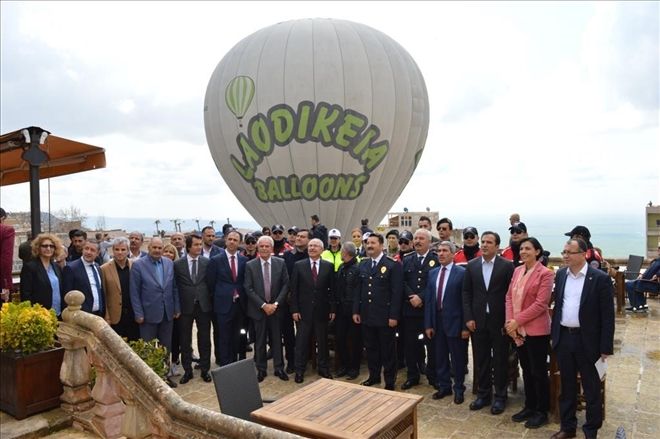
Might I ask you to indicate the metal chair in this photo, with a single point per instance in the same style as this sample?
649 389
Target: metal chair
237 389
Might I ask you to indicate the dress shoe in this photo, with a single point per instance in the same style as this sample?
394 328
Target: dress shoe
325 374
261 375
459 398
497 407
186 377
289 369
563 435
299 378
341 373
538 420
351 375
370 382
171 383
523 415
389 386
206 377
441 394
282 375
479 403
409 384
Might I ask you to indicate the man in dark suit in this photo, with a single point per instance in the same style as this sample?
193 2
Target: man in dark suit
266 288
416 267
312 306
225 277
209 249
190 279
484 294
154 296
378 309
443 320
84 275
582 333
298 253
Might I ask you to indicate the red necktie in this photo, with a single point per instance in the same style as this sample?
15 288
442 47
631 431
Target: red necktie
233 274
315 273
440 286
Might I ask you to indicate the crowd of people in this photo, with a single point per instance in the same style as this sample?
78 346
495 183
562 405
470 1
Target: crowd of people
408 299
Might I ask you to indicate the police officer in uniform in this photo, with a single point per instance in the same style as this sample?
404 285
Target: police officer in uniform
416 266
378 310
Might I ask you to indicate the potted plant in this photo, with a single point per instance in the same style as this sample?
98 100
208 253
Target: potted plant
29 360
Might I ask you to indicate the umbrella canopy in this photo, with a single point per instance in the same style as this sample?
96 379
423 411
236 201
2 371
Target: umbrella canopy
64 157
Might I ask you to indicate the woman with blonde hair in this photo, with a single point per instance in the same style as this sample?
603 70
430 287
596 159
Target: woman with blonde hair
41 277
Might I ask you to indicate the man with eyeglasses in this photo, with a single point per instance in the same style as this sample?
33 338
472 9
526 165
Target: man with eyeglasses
582 333
512 252
593 257
405 246
470 248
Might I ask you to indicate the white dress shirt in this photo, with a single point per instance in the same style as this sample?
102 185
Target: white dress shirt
487 272
570 311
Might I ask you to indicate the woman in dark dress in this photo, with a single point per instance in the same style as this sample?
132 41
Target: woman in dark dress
41 277
115 276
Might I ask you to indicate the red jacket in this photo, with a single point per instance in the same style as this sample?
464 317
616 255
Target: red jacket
461 259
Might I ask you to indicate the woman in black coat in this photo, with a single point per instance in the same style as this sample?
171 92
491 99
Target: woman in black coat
41 278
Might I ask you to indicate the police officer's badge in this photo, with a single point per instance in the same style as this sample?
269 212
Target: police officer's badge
431 263
383 270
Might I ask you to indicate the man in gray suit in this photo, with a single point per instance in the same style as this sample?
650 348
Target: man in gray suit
266 285
189 276
154 295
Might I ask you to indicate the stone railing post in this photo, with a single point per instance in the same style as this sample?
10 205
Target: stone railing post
109 408
75 371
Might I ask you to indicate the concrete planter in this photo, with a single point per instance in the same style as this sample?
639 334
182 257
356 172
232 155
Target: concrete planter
31 383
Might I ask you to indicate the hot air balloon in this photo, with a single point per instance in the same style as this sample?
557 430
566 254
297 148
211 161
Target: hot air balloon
333 117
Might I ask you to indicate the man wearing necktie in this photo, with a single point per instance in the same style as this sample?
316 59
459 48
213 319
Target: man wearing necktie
154 295
378 309
190 279
225 277
266 286
443 320
416 267
312 306
84 275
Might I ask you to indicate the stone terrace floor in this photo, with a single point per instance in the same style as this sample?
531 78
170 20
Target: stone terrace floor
633 394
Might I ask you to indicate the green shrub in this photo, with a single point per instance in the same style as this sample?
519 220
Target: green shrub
153 354
27 328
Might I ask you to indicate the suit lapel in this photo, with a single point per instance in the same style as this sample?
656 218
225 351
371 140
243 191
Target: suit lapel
83 273
586 288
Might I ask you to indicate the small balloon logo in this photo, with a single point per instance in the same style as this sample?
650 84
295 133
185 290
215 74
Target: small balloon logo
238 96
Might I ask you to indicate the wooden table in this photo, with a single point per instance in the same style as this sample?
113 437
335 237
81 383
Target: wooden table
335 409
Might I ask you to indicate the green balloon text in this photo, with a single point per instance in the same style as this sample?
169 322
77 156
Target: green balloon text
332 126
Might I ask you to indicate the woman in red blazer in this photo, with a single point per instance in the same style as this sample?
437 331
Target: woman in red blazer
528 324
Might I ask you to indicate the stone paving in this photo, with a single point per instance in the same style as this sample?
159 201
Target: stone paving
633 395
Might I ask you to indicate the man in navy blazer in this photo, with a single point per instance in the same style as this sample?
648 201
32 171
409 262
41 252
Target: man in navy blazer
582 333
154 296
225 278
443 321
84 275
209 249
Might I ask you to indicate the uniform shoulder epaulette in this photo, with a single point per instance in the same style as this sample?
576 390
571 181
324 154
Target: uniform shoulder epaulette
392 259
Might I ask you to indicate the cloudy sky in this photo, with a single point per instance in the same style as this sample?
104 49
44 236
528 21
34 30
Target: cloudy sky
538 108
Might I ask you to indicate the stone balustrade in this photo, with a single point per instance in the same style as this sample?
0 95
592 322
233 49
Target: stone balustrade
128 398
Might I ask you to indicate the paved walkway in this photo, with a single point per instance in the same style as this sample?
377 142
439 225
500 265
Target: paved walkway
633 395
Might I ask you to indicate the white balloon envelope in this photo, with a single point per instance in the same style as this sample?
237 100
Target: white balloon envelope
316 116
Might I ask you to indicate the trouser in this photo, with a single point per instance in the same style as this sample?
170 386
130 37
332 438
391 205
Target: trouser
176 344
491 369
228 326
571 359
348 342
162 331
635 297
533 355
305 328
288 334
185 324
450 356
418 360
268 327
381 352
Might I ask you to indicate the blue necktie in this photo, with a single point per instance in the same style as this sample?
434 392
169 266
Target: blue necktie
159 272
99 287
